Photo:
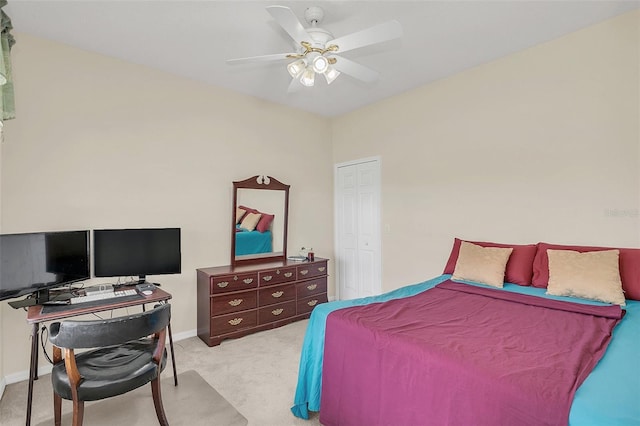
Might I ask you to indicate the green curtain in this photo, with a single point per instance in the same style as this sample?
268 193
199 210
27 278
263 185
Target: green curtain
7 103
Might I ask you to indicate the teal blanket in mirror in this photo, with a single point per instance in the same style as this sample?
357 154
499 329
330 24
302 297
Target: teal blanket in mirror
253 242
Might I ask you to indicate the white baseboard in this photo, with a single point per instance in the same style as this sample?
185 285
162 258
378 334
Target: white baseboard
184 335
24 374
46 368
3 384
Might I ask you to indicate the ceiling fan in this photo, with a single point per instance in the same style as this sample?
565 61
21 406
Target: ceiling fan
318 51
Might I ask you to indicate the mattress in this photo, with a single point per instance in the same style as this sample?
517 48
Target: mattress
253 242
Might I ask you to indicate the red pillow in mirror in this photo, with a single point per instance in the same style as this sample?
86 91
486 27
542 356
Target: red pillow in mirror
265 222
248 209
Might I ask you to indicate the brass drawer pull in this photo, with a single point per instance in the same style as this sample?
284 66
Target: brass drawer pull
248 280
267 277
321 269
223 284
312 302
312 287
235 278
235 302
235 321
288 274
304 272
277 294
277 312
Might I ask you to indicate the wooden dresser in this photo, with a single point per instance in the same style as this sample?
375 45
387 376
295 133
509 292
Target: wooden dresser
234 302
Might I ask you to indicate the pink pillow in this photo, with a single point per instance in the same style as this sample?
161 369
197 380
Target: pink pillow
519 267
248 209
629 266
265 222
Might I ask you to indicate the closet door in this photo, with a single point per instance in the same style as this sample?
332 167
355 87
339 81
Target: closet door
357 200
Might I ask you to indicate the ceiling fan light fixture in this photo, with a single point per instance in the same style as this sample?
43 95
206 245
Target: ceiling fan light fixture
331 74
308 77
296 68
320 64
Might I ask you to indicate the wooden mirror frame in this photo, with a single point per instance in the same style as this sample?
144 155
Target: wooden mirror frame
262 183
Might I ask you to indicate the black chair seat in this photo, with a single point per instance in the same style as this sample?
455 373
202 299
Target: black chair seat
109 371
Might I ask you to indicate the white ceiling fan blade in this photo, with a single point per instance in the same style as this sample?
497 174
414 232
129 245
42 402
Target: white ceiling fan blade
288 20
263 58
355 70
376 34
295 85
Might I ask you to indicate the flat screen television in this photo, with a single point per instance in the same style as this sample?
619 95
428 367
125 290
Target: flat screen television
136 252
36 262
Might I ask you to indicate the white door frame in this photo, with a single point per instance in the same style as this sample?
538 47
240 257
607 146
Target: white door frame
336 239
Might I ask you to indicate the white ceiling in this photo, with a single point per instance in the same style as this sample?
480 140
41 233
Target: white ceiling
194 38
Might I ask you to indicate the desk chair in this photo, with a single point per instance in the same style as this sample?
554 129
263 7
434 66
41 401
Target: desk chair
128 352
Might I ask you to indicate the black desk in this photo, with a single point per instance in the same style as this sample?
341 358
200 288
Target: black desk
35 316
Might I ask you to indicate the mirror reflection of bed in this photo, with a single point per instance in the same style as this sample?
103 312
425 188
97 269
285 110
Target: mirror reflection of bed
260 213
259 221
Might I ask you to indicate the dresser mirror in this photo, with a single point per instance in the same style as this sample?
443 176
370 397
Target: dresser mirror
260 218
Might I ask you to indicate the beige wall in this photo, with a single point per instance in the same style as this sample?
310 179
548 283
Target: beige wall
100 143
542 145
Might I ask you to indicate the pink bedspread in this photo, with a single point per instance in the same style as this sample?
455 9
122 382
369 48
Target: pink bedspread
460 355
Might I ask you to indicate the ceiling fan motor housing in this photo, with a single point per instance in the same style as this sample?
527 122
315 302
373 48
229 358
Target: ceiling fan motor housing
314 15
319 37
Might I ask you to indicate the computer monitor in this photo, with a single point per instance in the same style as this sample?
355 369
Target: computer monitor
136 252
36 262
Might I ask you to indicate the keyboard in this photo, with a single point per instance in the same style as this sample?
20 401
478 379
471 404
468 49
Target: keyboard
101 296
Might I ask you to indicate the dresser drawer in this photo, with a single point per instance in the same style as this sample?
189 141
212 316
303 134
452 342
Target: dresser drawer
276 312
235 302
233 282
307 304
311 287
276 294
277 276
233 322
311 270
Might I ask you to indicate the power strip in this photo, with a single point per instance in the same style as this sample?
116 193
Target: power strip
98 289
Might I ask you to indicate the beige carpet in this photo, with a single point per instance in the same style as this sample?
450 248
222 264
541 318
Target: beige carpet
193 402
256 374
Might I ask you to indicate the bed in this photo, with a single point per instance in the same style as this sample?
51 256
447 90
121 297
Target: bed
253 242
357 353
253 231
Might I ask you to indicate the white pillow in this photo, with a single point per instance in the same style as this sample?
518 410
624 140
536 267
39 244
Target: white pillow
485 265
239 214
250 221
590 275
